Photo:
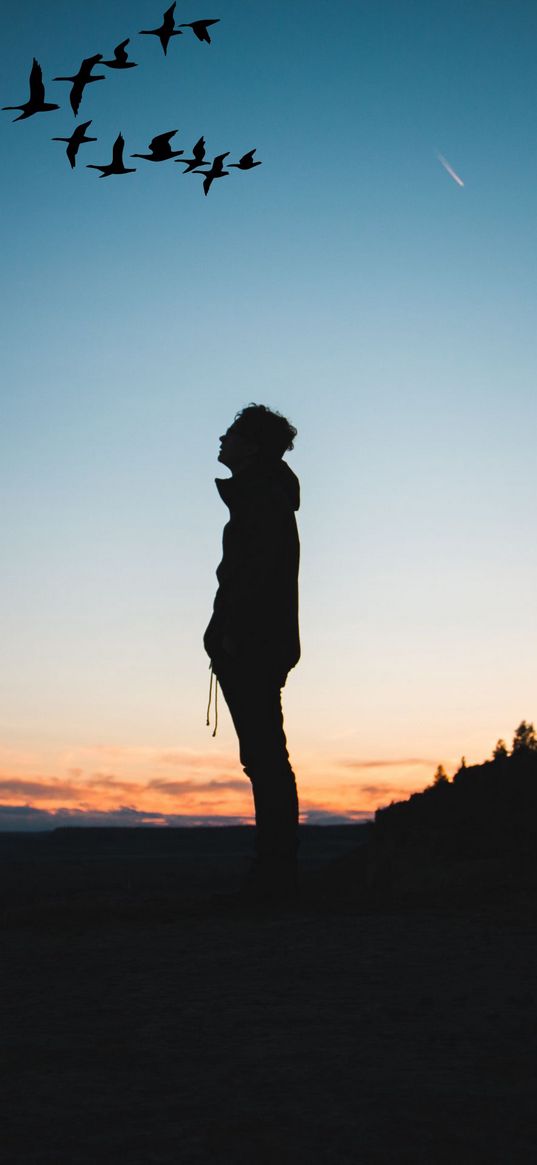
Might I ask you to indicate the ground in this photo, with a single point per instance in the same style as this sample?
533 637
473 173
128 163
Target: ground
144 1023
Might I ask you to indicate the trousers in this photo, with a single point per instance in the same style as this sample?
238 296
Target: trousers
253 697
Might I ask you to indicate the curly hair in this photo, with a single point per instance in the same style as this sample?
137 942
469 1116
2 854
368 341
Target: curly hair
273 433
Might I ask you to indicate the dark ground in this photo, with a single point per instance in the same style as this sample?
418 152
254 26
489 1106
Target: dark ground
142 1023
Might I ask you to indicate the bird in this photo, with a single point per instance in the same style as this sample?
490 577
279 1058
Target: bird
246 162
198 152
121 60
36 102
166 30
216 171
199 28
116 165
160 148
75 141
81 79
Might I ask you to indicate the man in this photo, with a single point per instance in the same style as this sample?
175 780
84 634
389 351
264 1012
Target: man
252 638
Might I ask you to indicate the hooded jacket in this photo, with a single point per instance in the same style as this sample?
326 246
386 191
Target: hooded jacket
255 610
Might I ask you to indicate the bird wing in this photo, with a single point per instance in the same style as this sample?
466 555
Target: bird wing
117 150
249 157
37 89
72 151
75 96
168 20
119 51
218 164
88 63
199 28
155 144
207 183
198 151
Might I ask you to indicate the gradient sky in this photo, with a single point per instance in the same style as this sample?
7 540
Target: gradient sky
349 282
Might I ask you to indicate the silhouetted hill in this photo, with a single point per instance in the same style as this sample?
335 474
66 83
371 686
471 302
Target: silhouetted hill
486 809
465 839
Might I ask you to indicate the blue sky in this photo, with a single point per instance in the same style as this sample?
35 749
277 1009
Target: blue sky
349 282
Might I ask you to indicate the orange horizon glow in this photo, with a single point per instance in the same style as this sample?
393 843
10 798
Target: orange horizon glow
162 783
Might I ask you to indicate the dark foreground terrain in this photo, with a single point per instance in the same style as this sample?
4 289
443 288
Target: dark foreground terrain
143 1022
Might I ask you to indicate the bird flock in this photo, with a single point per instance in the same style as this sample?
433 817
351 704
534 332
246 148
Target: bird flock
159 148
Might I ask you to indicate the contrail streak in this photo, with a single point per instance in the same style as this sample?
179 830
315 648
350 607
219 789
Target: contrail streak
450 170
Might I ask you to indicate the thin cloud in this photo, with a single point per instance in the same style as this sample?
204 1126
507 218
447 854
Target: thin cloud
86 790
110 781
452 173
385 791
37 789
27 818
179 788
332 817
399 762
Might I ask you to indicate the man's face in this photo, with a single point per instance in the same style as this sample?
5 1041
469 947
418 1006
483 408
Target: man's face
234 449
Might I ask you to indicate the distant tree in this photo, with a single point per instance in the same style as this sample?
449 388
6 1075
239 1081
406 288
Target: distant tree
440 776
463 763
525 738
500 751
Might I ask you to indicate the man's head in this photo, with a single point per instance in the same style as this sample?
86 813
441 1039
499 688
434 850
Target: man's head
256 432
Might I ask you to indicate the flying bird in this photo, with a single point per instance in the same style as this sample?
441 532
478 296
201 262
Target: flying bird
216 171
36 102
199 28
160 149
78 137
198 152
81 79
246 162
121 59
116 165
450 170
166 30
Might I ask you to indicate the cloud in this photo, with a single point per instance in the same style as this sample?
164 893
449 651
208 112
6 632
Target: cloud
399 762
385 791
110 781
332 817
26 818
105 789
25 812
38 789
179 788
452 173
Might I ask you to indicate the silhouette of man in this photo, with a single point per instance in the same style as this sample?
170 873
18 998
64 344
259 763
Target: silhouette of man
253 639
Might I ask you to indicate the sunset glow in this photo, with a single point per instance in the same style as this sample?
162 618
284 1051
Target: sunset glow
164 785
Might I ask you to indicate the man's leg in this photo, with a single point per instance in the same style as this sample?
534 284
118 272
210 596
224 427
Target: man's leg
254 702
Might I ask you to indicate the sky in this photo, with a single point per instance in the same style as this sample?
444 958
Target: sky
349 282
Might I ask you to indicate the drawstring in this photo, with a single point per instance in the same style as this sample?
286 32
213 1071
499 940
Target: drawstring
215 700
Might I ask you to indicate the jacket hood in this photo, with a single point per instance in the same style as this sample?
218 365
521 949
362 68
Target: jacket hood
277 473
